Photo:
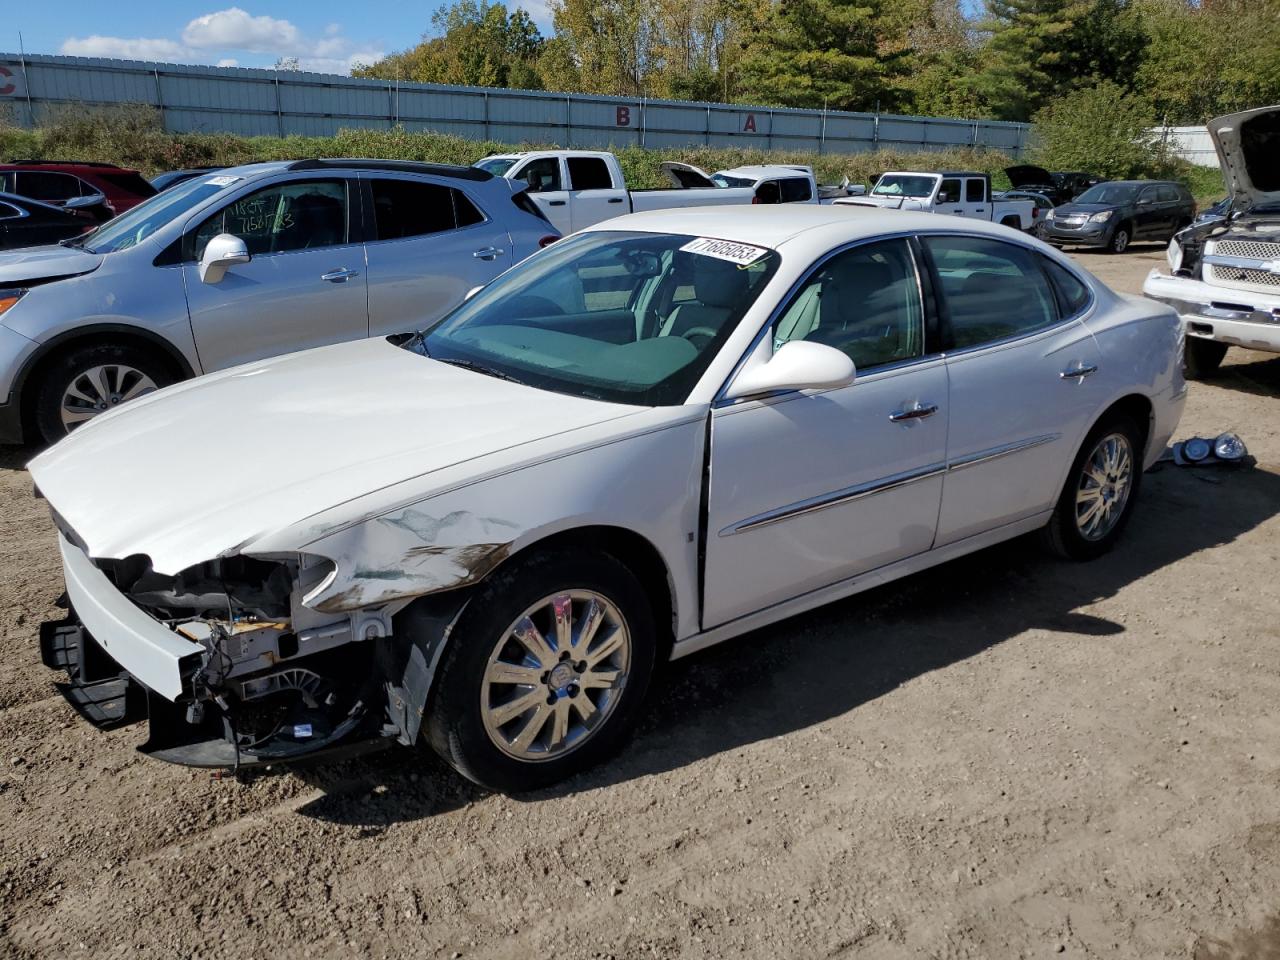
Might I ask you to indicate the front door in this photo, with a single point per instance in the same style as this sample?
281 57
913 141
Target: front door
304 287
593 196
950 197
1021 395
431 244
547 189
808 489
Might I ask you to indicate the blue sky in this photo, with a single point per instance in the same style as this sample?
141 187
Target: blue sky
325 35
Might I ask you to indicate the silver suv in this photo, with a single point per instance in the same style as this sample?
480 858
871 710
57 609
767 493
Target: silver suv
246 263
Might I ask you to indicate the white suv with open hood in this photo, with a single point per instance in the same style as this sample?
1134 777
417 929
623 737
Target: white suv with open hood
1224 272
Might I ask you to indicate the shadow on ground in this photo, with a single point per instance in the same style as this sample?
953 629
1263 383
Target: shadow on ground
820 665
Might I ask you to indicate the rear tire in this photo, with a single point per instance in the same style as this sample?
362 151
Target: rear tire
476 721
1102 485
1201 358
90 379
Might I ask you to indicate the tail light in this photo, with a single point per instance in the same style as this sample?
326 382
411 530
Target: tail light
547 241
1035 213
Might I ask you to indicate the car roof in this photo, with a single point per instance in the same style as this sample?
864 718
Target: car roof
773 225
359 163
84 167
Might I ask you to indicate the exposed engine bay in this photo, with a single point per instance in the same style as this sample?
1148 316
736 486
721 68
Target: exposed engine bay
277 680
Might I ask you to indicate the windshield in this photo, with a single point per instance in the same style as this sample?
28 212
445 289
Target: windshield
496 165
724 180
904 185
623 317
130 229
1108 193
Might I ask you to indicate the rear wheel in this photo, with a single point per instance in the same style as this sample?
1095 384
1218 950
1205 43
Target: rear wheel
1201 358
545 673
89 380
1097 500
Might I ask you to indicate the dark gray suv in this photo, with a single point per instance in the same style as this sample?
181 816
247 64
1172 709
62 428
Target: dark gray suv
1116 213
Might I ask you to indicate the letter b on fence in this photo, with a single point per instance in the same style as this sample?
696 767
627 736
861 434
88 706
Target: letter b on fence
624 117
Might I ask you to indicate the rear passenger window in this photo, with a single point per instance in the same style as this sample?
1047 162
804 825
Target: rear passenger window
975 191
411 208
1073 295
1167 194
992 290
865 302
50 187
467 213
589 173
796 190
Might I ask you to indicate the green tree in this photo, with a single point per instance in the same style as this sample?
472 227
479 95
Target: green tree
816 52
478 43
1103 129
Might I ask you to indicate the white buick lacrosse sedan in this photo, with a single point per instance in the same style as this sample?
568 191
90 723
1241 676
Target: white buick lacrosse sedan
652 436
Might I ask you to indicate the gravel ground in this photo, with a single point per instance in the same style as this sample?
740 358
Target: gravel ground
1004 757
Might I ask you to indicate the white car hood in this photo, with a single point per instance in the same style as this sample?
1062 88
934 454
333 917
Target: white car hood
1248 143
200 469
46 263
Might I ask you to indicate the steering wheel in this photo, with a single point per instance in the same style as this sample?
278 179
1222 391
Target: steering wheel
708 332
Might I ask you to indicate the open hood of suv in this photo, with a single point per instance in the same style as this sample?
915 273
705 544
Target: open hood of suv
1028 175
1248 143
46 263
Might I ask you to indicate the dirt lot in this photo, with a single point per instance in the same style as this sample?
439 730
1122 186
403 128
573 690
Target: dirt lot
1004 757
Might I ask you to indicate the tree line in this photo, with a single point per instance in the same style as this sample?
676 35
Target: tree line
1154 61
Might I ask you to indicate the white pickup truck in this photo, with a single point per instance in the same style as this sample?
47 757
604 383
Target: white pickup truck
578 188
959 194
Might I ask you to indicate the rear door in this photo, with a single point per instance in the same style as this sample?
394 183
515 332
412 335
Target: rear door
547 188
1021 395
593 196
976 202
429 243
304 287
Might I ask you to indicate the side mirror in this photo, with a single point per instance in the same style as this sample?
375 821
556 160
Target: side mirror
84 203
472 292
220 253
796 365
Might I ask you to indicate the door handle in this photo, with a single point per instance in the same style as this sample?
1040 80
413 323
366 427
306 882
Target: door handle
917 411
980 210
1079 371
555 203
615 199
341 275
488 253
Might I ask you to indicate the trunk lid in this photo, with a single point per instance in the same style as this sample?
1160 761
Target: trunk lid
1025 175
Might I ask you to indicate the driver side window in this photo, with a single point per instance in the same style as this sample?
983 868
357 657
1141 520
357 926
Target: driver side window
542 175
302 215
864 302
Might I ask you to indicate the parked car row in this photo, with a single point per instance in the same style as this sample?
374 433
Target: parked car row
245 263
664 431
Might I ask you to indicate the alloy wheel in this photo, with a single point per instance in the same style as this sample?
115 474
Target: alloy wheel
555 675
99 389
1106 481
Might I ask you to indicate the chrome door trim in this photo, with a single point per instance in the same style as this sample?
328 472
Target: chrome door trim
845 495
892 482
1004 450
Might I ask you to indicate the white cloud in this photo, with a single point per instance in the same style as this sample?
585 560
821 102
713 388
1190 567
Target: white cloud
138 48
212 37
539 10
235 29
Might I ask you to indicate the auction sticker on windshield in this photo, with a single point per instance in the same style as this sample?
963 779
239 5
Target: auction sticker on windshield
739 253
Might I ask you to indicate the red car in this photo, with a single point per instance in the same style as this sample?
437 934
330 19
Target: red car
99 190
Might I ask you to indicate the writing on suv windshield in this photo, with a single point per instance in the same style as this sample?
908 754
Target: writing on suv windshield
623 317
892 185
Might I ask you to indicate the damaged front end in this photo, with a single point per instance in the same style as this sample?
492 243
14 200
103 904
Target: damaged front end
228 664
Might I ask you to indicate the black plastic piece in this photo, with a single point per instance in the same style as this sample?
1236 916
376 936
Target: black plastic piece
97 688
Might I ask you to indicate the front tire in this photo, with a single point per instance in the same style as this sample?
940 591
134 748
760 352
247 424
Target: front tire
1119 241
545 673
91 379
1201 358
1097 500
